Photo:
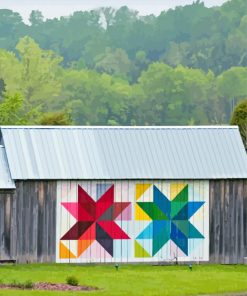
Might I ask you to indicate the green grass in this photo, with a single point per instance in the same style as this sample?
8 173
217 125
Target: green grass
131 279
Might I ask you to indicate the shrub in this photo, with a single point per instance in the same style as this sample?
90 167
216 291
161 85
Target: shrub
15 284
72 281
26 285
239 118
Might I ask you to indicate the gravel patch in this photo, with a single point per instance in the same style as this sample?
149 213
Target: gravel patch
50 287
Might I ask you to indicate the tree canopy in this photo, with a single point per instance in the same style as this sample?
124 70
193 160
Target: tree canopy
115 67
239 118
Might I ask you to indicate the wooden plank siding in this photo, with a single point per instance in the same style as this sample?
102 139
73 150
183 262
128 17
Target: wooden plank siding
6 206
228 221
28 221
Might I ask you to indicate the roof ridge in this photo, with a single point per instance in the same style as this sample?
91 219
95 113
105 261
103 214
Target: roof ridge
123 127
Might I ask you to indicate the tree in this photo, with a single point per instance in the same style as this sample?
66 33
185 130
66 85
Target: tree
236 44
176 54
233 11
114 62
56 118
11 28
239 117
95 98
73 33
94 48
179 95
40 83
9 109
13 111
232 87
36 18
10 71
109 15
2 87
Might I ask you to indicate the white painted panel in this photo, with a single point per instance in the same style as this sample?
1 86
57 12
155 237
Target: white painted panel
132 221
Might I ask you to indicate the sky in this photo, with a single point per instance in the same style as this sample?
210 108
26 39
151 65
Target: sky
57 8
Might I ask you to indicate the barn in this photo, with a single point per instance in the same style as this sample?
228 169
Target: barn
123 194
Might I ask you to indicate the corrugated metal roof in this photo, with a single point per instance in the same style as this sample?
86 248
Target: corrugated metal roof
5 179
125 152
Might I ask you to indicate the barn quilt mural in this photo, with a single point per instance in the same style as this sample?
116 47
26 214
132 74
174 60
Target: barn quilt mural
132 221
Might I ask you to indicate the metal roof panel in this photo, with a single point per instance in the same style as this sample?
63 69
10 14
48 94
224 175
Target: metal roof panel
6 181
203 152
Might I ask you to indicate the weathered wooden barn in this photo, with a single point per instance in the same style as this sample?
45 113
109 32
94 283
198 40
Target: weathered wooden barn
123 194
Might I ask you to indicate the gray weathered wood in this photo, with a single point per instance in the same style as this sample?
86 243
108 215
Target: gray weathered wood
28 222
228 221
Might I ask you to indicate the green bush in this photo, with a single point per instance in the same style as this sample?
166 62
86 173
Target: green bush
15 284
26 285
239 117
72 281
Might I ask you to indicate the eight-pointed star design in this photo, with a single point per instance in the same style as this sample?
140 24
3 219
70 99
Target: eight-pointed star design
170 220
95 219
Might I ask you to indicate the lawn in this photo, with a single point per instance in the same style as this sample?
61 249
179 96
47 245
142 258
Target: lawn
132 279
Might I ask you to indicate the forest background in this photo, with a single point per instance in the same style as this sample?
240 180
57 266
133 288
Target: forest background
186 66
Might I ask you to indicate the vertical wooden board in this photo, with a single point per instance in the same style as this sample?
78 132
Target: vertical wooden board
52 222
5 216
34 214
212 195
217 219
236 185
58 220
48 222
7 223
240 198
232 222
227 231
31 227
204 217
13 231
19 216
27 221
40 220
222 217
32 249
2 251
45 224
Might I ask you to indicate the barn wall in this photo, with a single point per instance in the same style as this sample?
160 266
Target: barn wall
228 221
28 222
132 221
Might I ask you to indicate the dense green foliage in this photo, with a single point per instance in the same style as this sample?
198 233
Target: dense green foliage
186 66
239 118
72 280
132 279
